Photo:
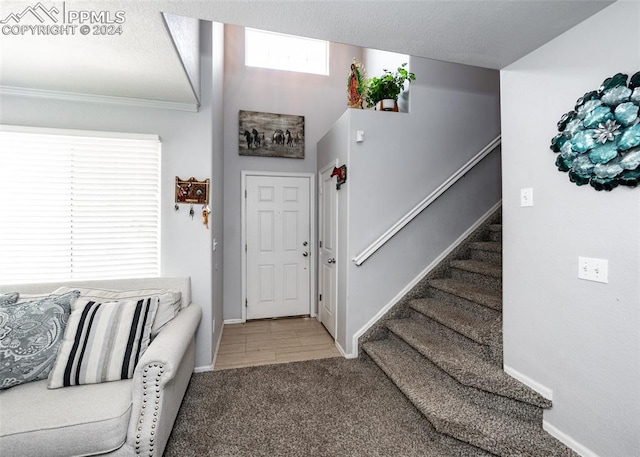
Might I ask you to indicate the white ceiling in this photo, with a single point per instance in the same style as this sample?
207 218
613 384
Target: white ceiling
142 62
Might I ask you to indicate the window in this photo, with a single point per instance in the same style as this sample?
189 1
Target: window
285 52
78 205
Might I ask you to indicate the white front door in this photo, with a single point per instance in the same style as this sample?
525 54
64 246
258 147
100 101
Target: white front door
278 246
328 250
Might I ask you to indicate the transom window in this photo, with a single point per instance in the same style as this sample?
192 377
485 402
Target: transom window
78 205
286 52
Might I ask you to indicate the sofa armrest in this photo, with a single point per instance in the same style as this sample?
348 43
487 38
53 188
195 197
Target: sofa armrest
156 396
169 346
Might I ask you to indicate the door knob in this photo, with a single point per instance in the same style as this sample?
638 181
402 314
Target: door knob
305 254
331 261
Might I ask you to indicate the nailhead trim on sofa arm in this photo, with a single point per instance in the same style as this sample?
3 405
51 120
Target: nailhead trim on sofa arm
162 375
154 373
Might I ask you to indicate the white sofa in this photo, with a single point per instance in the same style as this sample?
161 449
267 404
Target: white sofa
132 417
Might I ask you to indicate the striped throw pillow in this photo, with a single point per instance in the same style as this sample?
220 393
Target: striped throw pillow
103 341
168 307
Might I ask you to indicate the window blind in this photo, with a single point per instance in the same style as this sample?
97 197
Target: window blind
78 205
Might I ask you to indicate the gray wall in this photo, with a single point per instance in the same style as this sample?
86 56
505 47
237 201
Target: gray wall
320 99
578 339
454 114
187 150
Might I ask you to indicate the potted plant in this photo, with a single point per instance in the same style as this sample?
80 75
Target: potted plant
384 90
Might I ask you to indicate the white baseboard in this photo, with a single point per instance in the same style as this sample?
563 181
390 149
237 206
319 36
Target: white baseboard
568 441
526 380
215 355
344 353
418 278
233 321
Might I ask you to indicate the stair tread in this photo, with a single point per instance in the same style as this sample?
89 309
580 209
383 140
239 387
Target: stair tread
477 266
468 369
494 246
470 292
451 414
495 227
474 326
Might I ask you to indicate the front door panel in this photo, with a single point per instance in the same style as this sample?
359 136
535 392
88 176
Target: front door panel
278 251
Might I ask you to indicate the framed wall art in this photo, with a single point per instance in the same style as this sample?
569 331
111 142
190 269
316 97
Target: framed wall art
271 135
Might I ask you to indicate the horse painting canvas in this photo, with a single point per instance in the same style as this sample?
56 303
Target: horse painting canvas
271 135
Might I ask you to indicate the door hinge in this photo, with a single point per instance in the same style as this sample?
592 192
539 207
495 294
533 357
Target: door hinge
245 193
245 248
320 297
246 302
320 243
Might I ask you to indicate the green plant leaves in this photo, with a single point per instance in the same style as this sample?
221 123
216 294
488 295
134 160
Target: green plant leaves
388 85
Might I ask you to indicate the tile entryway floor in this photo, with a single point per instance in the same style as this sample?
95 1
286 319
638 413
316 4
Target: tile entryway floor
269 341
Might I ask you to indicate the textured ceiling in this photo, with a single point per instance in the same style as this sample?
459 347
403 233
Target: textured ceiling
139 63
485 33
142 61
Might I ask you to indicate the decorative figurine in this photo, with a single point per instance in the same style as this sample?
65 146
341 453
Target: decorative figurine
341 175
356 85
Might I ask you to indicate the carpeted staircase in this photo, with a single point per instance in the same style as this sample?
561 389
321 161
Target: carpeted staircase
442 347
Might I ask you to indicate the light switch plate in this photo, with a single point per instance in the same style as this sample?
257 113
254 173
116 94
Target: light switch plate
526 197
593 269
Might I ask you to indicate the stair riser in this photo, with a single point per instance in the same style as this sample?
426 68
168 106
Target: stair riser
467 344
507 406
460 448
486 256
454 300
479 279
500 404
495 236
496 351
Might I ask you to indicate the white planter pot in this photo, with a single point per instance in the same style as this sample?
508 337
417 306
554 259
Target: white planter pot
388 105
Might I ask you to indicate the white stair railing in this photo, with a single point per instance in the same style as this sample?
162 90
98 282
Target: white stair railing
395 228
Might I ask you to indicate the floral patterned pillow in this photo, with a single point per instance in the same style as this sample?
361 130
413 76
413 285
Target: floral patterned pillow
9 299
30 334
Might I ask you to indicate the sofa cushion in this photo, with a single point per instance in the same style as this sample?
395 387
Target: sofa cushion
8 299
103 341
30 334
168 307
79 420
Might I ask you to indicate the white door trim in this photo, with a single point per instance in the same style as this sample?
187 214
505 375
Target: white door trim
313 302
324 169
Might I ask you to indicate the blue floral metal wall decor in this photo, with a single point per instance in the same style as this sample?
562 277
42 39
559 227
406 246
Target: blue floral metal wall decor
599 141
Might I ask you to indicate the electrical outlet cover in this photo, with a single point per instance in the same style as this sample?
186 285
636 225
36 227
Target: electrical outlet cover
593 269
526 197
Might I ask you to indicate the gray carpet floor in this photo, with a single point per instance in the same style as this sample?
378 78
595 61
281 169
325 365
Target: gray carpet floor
330 407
